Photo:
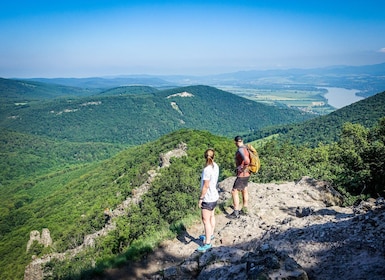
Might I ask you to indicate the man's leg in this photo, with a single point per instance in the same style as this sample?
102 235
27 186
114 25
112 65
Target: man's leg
235 196
245 197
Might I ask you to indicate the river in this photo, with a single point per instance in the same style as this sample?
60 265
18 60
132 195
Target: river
341 97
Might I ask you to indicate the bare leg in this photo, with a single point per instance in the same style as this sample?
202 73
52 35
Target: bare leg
245 197
235 196
206 219
212 222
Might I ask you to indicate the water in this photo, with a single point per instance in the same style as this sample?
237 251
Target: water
341 97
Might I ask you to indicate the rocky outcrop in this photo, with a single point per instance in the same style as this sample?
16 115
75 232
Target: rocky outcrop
44 239
294 230
180 151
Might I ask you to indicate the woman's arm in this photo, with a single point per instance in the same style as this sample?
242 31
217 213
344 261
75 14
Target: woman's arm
205 187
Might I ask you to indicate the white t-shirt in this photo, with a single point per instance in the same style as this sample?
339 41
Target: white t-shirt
211 173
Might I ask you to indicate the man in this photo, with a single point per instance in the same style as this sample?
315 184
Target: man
242 161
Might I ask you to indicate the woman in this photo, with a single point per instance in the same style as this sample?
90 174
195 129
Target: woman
208 199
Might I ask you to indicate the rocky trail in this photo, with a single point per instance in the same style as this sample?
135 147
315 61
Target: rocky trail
295 230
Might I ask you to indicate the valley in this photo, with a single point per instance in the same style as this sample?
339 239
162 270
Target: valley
311 100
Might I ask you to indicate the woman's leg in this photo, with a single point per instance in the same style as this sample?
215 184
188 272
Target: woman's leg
207 223
212 222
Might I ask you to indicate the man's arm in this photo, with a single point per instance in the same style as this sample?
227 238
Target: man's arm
245 156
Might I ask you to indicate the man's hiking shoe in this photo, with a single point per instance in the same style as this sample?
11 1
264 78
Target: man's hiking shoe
203 237
234 215
204 248
244 211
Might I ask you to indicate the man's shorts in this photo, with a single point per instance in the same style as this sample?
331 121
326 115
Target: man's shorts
209 205
240 183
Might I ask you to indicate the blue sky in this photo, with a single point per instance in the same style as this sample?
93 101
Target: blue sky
111 37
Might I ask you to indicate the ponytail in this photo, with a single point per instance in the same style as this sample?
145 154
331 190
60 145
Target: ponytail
209 155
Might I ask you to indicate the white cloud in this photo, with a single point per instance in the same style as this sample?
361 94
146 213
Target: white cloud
382 50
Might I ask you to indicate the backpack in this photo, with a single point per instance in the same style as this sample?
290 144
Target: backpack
255 163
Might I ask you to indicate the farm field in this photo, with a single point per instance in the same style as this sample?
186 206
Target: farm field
309 99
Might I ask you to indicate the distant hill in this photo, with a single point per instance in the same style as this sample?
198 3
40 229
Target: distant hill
368 79
108 82
326 129
22 90
127 118
128 90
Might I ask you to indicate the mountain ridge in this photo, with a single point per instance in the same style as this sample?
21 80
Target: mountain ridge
138 118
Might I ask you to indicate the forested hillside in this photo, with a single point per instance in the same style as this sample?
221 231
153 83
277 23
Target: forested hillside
138 118
26 156
327 129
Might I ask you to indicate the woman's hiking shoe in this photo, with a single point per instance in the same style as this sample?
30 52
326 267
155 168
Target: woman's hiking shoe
203 237
234 215
204 248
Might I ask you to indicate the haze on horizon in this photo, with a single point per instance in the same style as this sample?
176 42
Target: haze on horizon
100 38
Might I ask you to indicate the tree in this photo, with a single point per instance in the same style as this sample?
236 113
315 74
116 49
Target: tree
361 153
352 145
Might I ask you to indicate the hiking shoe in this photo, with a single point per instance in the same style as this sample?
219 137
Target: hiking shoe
203 237
204 248
244 211
234 215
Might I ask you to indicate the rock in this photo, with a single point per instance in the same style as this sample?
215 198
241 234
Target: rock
180 151
45 238
321 190
233 263
303 212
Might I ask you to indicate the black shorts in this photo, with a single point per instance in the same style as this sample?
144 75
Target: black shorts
209 205
240 183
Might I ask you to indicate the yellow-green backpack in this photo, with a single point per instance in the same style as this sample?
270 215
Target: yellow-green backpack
255 163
